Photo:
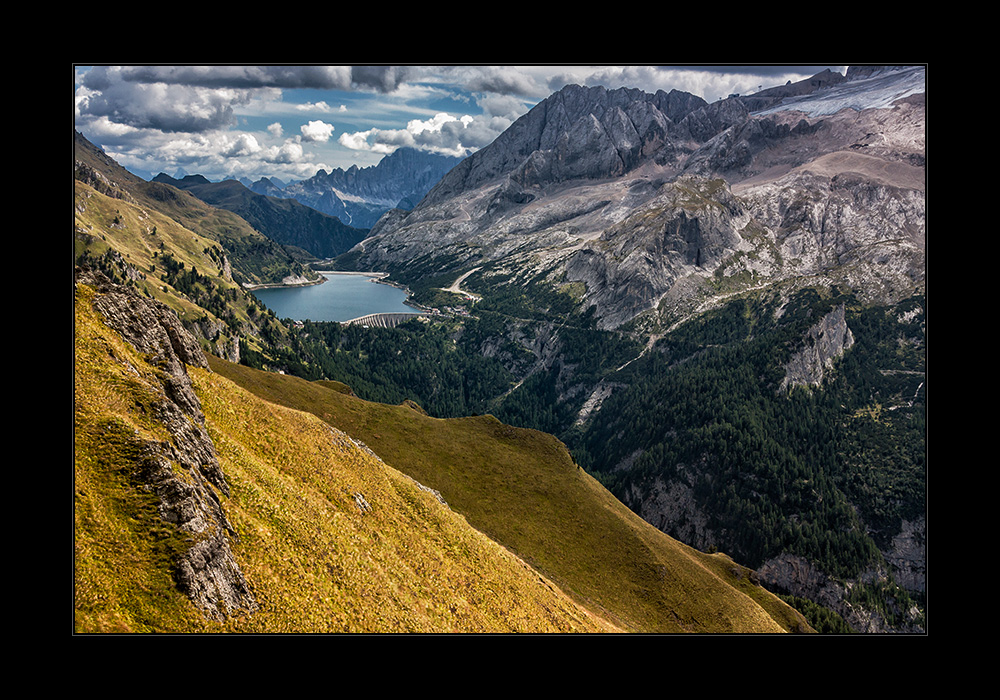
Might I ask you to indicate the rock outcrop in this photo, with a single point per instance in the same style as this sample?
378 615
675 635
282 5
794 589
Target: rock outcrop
795 575
689 228
826 341
183 471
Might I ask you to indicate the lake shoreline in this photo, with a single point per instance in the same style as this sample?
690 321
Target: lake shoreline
379 275
376 276
346 291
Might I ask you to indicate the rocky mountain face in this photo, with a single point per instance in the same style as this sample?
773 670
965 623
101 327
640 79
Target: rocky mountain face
655 201
825 342
360 196
207 572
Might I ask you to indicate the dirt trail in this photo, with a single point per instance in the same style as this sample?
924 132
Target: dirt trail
456 285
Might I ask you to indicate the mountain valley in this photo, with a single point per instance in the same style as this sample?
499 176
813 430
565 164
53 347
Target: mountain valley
682 387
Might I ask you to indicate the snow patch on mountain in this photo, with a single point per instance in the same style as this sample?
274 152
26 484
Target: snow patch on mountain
880 91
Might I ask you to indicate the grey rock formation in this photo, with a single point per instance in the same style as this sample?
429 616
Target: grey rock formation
908 555
673 508
788 572
189 496
824 343
688 228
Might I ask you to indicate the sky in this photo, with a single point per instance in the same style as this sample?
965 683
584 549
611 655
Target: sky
290 121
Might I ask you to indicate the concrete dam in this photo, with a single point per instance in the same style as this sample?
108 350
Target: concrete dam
390 320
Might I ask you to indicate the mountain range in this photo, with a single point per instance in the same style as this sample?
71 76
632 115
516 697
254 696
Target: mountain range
694 328
211 496
359 196
651 200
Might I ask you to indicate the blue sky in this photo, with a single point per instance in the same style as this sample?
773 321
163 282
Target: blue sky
289 121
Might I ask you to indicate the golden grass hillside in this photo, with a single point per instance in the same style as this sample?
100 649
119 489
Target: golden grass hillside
521 488
330 538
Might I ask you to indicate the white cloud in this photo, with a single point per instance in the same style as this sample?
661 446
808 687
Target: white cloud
275 129
289 152
434 124
168 107
317 131
241 145
375 140
442 133
320 106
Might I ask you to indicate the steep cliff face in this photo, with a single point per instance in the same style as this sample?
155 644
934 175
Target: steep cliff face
788 572
825 342
183 469
687 230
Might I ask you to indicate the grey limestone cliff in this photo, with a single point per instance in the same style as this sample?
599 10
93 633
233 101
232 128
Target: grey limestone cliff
826 341
183 471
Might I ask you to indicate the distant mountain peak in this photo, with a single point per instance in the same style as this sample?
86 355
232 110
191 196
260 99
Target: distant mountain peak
360 196
186 181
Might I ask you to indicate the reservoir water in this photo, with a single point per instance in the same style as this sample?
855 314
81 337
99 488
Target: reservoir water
341 298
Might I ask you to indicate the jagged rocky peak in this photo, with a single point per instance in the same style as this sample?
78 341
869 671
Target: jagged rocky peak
272 187
359 196
591 133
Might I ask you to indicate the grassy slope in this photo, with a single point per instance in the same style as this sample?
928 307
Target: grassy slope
138 233
522 489
149 206
123 549
316 561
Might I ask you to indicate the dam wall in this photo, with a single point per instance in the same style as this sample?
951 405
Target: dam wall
383 320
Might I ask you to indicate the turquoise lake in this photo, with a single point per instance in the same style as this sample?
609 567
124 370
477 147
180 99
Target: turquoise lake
341 298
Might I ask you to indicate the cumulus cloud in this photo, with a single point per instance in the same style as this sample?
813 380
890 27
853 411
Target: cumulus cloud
168 108
442 133
317 131
241 145
289 152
